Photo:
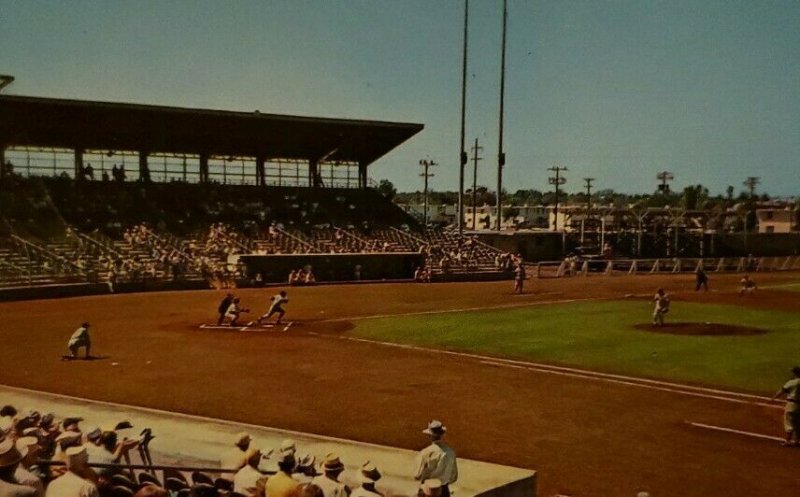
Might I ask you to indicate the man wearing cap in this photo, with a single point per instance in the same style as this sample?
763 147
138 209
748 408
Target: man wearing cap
78 480
223 308
329 482
234 459
368 476
791 411
249 479
281 484
64 441
10 458
80 339
30 450
275 307
437 460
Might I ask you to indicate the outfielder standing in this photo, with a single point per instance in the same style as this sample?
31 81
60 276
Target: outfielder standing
275 307
791 411
662 307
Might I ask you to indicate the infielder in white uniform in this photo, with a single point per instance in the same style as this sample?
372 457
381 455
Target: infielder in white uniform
275 308
80 339
662 307
791 411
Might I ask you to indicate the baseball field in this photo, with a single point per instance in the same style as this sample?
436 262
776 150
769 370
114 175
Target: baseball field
568 379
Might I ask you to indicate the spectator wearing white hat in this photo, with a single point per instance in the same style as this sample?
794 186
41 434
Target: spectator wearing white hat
249 479
234 459
10 458
305 470
281 484
368 476
64 441
30 449
438 460
78 481
329 482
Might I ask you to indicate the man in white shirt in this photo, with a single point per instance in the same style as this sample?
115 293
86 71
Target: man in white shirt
234 458
30 449
438 460
791 411
329 482
248 479
661 307
368 476
10 458
80 339
78 480
275 307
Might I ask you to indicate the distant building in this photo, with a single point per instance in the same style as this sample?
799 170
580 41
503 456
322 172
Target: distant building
777 217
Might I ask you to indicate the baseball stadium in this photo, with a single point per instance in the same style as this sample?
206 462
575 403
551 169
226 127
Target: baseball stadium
567 381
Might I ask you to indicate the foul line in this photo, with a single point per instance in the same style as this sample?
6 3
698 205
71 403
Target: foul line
737 432
465 309
657 385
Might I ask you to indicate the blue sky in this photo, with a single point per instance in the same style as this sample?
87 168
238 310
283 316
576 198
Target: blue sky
616 90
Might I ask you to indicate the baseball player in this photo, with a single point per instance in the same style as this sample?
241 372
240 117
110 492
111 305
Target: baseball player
746 285
276 307
223 308
791 411
701 279
661 308
233 312
80 339
519 277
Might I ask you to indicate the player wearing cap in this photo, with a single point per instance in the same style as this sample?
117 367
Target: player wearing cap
661 307
791 411
234 311
223 308
746 285
80 339
438 460
276 307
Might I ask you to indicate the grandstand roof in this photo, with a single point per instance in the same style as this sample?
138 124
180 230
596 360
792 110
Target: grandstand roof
48 122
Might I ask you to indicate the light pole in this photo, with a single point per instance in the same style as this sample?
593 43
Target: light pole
425 163
475 159
664 177
501 155
556 180
462 155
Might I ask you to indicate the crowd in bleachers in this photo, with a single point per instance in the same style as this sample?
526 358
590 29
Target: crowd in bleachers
42 456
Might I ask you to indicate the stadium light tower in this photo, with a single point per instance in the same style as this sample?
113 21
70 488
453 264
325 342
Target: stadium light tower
5 80
664 177
501 156
426 164
462 155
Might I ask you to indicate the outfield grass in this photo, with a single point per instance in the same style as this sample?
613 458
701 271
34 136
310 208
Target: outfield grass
600 336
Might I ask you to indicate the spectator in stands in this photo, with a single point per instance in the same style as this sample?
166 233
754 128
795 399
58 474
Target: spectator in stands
7 414
249 479
294 277
10 458
309 278
26 473
305 471
368 476
437 460
329 482
112 450
151 491
80 339
431 487
281 484
79 479
235 458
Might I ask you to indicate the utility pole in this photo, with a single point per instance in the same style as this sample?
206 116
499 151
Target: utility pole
475 159
501 156
462 155
588 194
556 180
751 182
425 165
664 177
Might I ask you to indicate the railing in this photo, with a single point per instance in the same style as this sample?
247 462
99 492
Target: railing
610 267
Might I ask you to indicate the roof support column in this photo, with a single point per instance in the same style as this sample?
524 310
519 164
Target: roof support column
204 168
260 172
314 180
144 170
362 175
78 166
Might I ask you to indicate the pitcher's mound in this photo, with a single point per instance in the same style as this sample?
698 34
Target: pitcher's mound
714 329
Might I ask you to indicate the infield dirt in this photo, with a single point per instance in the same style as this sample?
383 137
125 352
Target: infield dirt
586 437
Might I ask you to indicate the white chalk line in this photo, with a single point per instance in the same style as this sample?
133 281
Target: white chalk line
464 309
737 432
656 385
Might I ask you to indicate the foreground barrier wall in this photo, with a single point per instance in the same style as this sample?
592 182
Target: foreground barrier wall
190 440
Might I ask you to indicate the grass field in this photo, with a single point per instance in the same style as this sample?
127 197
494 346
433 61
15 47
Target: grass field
601 336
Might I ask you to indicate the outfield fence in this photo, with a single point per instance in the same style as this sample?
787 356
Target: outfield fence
612 267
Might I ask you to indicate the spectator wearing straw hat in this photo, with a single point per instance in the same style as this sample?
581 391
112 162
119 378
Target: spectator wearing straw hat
281 484
329 482
30 450
10 458
249 479
437 460
78 481
368 476
305 470
234 459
